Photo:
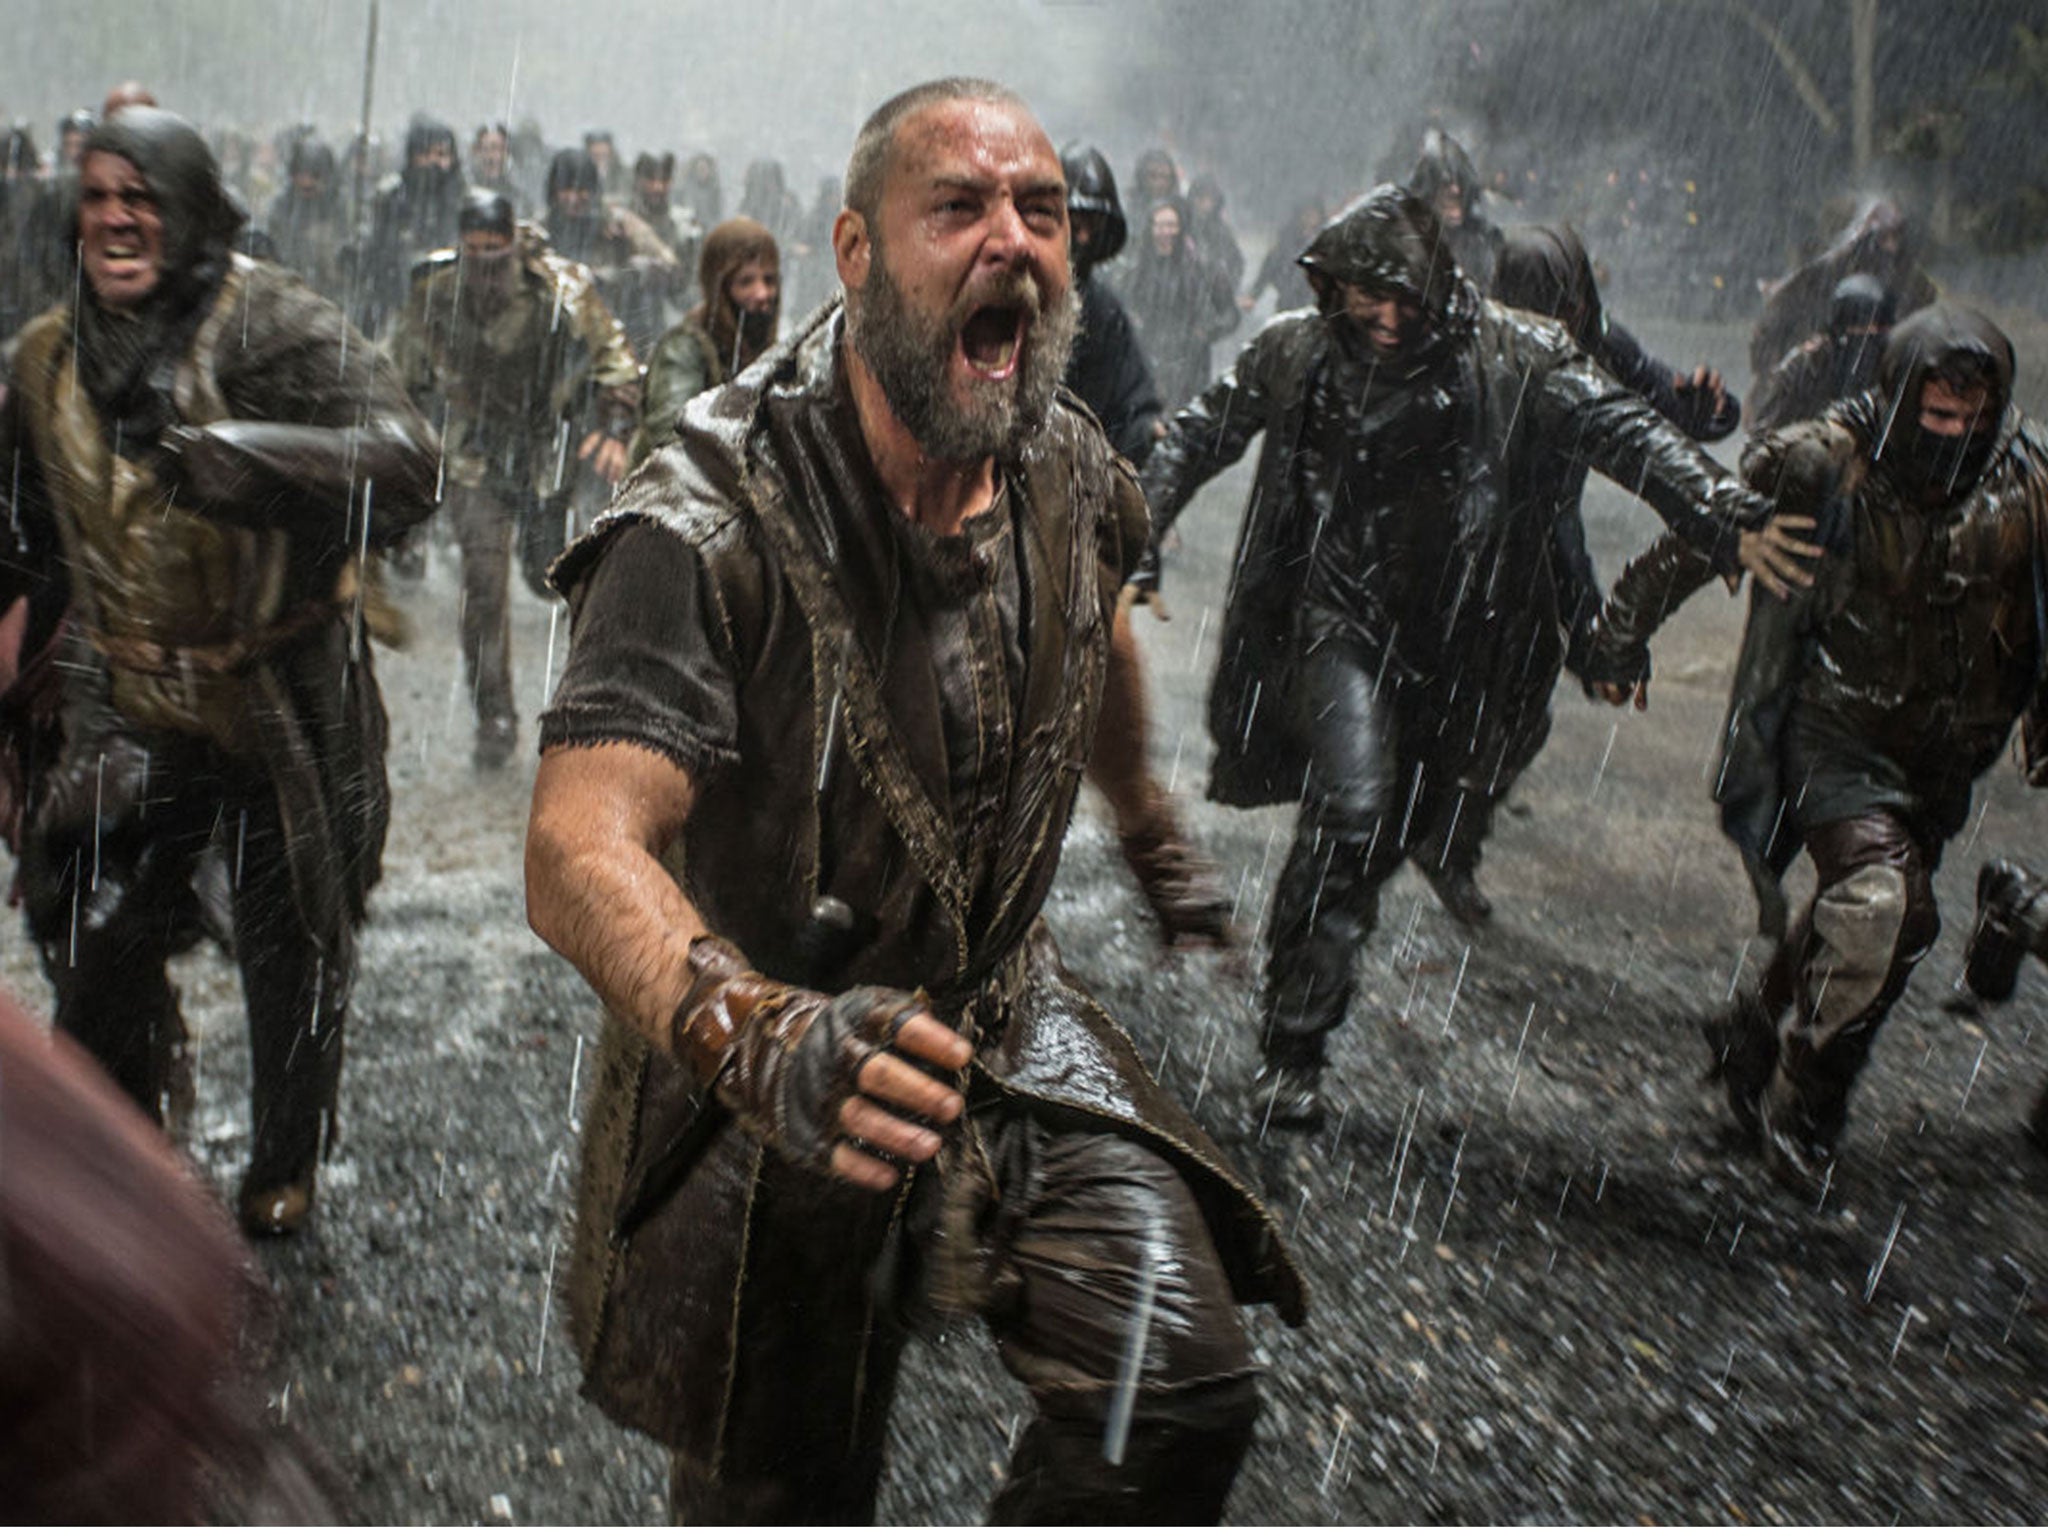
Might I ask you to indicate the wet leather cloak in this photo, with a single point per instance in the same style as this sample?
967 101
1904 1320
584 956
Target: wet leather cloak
1534 403
691 1238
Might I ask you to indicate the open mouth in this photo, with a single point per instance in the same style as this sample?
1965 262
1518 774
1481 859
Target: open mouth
992 338
120 258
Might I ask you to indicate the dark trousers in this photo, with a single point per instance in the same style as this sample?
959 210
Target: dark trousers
1379 789
483 530
1097 1277
1848 958
118 828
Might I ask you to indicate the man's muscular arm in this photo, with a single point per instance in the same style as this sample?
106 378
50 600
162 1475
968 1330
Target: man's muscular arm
599 895
596 890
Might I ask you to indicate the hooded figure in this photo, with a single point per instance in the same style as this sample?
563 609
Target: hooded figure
700 191
413 216
1840 362
1545 271
603 150
652 171
740 274
766 199
575 198
1864 710
190 445
307 226
1156 178
1445 178
635 268
1280 268
1211 231
1180 301
1879 241
1392 599
32 243
1108 368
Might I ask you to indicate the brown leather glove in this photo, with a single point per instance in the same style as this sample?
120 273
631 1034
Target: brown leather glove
1183 889
783 1059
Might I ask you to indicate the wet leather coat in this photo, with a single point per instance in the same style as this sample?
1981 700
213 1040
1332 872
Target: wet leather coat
771 488
1529 402
553 353
1896 679
223 562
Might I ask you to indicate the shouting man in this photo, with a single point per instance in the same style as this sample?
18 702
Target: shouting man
838 659
200 450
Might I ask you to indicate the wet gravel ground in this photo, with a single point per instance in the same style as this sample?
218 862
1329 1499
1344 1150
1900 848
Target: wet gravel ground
1546 1284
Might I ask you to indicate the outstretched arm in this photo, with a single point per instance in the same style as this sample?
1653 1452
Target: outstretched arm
1620 435
1208 434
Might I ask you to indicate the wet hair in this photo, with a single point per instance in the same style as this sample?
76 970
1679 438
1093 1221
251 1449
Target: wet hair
573 170
424 133
18 155
1861 301
483 209
652 167
200 218
867 169
311 157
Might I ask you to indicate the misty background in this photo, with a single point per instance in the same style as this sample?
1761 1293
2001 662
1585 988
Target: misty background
1698 144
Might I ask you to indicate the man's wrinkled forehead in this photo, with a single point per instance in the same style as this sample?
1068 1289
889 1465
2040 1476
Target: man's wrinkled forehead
972 141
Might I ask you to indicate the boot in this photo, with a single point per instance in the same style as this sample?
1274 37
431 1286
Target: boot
1458 889
1182 888
496 736
1743 1042
1288 1097
2002 939
1799 1133
279 1210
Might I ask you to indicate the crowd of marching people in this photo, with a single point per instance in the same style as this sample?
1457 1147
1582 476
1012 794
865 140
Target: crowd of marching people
851 580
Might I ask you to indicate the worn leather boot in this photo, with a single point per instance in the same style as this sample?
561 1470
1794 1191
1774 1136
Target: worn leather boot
2005 931
1742 1040
278 1210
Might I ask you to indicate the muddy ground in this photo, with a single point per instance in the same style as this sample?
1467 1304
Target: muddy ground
1546 1284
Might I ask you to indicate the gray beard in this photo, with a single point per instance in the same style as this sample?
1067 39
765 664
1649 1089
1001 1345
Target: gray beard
909 355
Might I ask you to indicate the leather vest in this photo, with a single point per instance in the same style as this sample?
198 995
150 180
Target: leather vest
148 575
1931 634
